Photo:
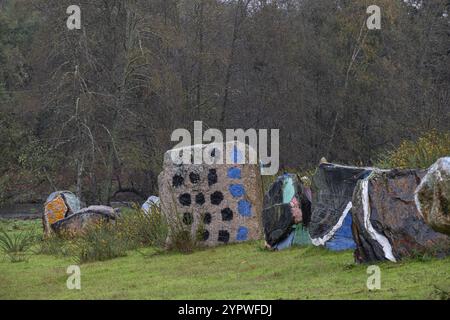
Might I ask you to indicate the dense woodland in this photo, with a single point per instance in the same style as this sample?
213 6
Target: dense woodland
92 110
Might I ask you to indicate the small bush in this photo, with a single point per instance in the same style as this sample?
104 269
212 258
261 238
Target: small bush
54 245
17 245
99 242
107 240
144 229
417 154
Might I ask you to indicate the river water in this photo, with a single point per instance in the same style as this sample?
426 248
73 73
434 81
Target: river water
23 211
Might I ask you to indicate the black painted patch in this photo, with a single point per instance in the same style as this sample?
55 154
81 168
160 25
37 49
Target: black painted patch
227 214
188 219
216 198
224 236
212 177
185 199
194 177
215 154
177 181
200 199
205 235
207 218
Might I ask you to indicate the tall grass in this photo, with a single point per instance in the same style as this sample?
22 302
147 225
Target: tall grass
134 229
55 245
144 229
99 242
181 237
16 246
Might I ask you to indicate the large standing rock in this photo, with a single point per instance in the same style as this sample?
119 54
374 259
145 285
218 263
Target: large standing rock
280 216
386 222
58 206
221 201
79 221
433 196
331 220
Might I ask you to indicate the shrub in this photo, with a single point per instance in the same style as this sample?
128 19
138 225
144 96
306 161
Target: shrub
142 229
54 245
99 242
417 154
17 245
108 240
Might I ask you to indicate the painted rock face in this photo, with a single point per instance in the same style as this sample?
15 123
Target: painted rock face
58 206
331 221
387 224
287 211
217 202
76 223
56 210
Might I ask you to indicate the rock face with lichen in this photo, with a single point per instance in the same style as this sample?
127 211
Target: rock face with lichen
63 214
80 220
58 206
386 222
217 198
433 196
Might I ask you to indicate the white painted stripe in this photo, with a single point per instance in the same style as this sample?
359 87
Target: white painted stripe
329 235
382 240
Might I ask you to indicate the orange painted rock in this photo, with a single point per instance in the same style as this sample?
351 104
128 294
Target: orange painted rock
58 206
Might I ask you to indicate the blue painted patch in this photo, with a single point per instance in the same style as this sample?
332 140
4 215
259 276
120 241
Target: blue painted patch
242 234
343 238
237 190
288 189
234 173
236 155
245 208
285 243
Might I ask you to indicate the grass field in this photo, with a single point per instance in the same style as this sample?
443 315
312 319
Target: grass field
244 271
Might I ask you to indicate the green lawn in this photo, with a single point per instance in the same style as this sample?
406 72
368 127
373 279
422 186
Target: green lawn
243 271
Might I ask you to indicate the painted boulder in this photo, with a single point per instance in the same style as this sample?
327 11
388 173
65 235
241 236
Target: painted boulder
217 198
386 222
82 219
286 213
331 219
433 196
58 206
152 202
